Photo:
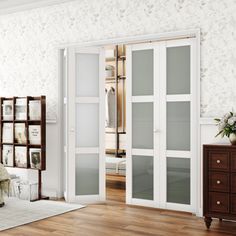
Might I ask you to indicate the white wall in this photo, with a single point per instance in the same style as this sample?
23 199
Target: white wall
28 55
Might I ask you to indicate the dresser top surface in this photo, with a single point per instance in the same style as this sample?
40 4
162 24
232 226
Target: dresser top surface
220 145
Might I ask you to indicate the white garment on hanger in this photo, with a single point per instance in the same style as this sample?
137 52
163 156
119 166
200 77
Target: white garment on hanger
110 108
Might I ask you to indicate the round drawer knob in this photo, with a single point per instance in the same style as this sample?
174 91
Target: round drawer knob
218 161
218 202
218 181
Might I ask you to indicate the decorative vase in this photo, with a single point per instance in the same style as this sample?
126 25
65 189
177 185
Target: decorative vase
232 138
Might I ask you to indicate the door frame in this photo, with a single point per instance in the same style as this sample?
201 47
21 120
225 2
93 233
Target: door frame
191 33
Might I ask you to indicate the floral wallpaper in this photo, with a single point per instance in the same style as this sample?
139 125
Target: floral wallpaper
28 55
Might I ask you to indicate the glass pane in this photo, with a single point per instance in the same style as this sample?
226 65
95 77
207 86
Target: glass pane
142 72
178 70
87 174
178 180
142 125
178 126
142 167
87 125
87 75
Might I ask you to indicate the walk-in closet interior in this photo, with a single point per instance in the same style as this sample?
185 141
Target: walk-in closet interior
115 126
131 116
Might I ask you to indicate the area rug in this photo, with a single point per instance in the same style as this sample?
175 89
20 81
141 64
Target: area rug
18 212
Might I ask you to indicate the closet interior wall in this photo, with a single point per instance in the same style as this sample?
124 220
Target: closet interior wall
115 57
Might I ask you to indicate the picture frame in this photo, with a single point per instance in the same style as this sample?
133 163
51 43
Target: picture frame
7 109
20 157
7 155
35 158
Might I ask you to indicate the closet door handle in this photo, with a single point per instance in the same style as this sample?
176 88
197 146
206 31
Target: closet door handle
72 130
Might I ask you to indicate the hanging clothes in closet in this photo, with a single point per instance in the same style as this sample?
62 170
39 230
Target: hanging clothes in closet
110 108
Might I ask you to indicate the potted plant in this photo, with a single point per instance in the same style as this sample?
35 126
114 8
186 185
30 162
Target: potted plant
227 126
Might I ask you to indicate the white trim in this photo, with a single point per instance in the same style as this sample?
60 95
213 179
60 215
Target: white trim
102 130
142 152
179 154
142 202
179 207
162 153
178 43
142 98
71 126
128 125
178 98
135 39
156 124
29 6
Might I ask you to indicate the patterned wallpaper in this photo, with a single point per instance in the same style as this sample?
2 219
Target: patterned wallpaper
28 57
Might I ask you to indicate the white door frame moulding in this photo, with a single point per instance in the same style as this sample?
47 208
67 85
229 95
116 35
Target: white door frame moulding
191 33
13 6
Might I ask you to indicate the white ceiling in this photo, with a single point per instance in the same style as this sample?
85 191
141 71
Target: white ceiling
10 6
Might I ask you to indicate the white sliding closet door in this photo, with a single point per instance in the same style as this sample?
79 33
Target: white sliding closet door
86 125
161 125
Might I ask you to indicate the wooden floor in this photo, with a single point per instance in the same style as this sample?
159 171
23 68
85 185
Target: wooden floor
117 219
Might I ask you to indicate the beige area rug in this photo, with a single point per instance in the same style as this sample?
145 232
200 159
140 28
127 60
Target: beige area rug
18 212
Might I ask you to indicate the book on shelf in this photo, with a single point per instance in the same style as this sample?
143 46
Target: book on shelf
35 134
35 110
21 109
7 109
7 133
20 156
7 155
20 133
35 158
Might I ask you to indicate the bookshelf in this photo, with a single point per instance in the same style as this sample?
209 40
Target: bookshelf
23 134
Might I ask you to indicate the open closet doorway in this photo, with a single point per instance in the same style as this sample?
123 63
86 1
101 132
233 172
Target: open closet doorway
115 124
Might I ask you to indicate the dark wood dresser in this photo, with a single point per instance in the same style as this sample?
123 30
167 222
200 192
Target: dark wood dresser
219 182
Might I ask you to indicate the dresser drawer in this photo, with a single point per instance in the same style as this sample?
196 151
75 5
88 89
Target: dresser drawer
233 183
219 161
233 161
219 202
233 204
219 181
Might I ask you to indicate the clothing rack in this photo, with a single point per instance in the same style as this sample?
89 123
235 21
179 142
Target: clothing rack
115 80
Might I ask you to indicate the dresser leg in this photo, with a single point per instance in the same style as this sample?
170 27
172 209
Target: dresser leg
208 221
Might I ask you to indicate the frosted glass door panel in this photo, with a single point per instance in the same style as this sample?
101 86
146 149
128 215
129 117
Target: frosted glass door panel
142 177
142 72
178 180
142 125
178 70
87 174
178 126
87 75
87 125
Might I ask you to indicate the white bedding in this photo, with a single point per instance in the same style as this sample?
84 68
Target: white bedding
115 165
